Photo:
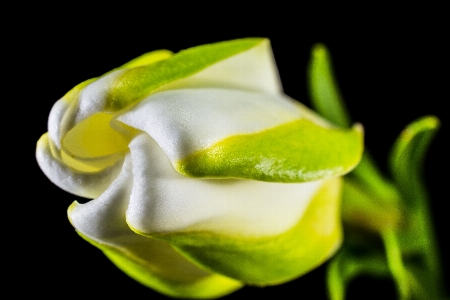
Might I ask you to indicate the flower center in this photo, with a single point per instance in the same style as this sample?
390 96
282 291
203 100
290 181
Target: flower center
96 143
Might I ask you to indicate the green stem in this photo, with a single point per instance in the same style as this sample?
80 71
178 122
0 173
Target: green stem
395 263
425 231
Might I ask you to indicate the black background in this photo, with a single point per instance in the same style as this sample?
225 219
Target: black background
392 67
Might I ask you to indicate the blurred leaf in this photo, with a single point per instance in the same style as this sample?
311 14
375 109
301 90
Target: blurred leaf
407 157
348 264
366 209
324 92
417 238
395 263
396 212
327 100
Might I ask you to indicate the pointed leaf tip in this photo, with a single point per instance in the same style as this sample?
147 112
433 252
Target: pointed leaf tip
323 88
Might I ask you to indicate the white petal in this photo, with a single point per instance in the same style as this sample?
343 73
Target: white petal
55 118
164 201
184 121
65 113
83 184
253 70
103 220
93 97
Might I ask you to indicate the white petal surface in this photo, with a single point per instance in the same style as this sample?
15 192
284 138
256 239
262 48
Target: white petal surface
186 120
93 97
253 70
164 201
83 184
102 220
55 118
66 113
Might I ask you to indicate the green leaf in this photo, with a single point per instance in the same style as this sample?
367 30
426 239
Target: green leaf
297 151
328 101
407 157
417 239
324 92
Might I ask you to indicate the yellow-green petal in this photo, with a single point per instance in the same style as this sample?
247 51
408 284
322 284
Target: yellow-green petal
276 259
147 59
164 275
150 261
297 151
137 83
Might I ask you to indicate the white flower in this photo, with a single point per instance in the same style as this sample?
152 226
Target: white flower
205 176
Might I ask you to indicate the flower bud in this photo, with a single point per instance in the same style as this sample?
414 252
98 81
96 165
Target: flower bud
204 175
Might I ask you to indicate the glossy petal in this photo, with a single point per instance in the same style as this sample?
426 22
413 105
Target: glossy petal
164 201
253 70
214 65
216 133
187 120
276 259
152 262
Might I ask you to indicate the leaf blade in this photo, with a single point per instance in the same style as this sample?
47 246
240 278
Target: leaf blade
323 89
